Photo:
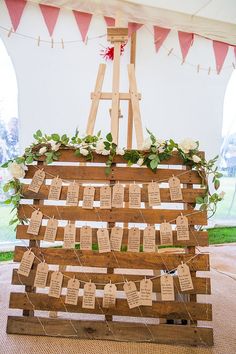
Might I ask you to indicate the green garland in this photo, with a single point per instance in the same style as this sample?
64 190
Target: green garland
153 153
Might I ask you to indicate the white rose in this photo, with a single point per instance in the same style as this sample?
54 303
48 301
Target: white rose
147 144
120 151
84 152
161 149
222 194
84 144
105 152
17 170
100 146
187 144
196 159
42 150
159 142
55 146
140 161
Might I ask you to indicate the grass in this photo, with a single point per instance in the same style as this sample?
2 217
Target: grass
218 235
6 256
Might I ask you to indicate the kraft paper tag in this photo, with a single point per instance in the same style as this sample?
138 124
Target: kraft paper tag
131 294
116 238
55 284
109 296
35 222
37 181
134 196
69 236
166 234
103 241
182 228
86 238
41 276
105 197
89 296
145 294
185 279
51 230
72 194
88 197
154 197
149 239
175 189
167 288
26 263
55 189
133 240
72 292
118 196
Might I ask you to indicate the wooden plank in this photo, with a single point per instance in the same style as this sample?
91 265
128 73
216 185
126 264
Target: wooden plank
125 260
120 331
108 96
201 285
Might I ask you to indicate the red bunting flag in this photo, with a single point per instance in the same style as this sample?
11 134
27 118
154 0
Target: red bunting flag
15 9
160 35
109 21
220 51
185 41
133 27
50 15
83 20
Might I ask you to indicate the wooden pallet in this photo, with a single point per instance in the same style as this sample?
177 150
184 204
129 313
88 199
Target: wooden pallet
119 323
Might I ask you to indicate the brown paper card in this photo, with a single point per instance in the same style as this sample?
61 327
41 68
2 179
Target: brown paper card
72 194
55 284
118 196
116 238
149 239
154 197
131 294
51 230
145 294
89 296
175 189
105 197
37 181
35 222
88 197
167 288
109 296
103 241
185 279
166 234
41 276
55 189
26 263
69 236
133 240
85 238
134 196
72 292
182 228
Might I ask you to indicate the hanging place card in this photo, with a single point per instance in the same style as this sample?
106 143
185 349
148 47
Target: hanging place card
72 292
86 238
182 228
167 288
133 240
72 194
37 181
175 189
166 234
131 294
109 296
89 296
51 230
35 222
149 239
88 197
145 294
118 196
105 197
103 241
41 276
185 279
134 196
116 238
69 236
55 189
55 284
26 263
154 197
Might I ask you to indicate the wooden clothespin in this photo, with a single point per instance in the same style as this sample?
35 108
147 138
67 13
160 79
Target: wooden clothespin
10 32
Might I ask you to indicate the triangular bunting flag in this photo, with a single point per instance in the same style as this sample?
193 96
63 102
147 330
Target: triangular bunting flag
109 21
15 9
160 35
220 51
50 15
185 41
83 20
133 27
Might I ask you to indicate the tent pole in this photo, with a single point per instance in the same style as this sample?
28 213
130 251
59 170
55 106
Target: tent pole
130 113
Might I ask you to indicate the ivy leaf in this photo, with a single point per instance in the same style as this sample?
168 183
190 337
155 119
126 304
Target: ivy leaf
6 187
29 159
109 137
217 184
7 201
5 165
152 157
55 137
154 164
107 170
199 200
